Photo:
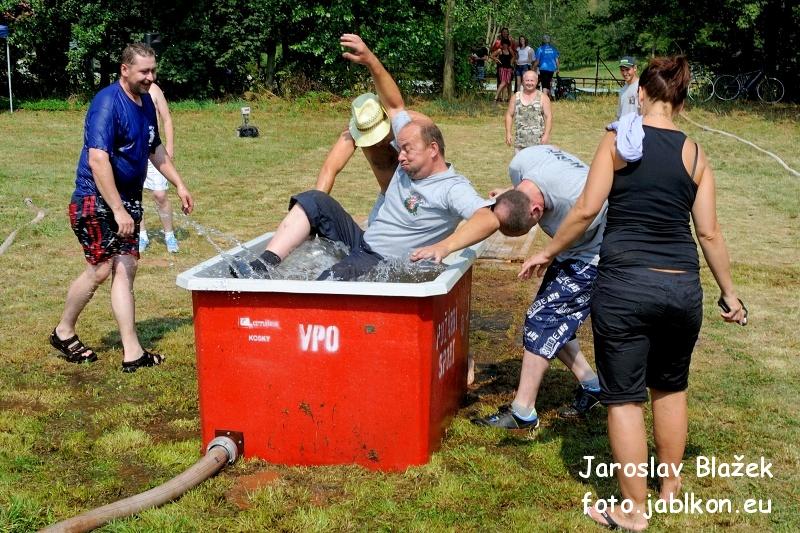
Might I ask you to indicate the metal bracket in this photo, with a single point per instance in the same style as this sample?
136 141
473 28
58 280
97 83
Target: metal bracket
235 436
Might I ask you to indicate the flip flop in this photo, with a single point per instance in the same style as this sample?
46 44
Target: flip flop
610 522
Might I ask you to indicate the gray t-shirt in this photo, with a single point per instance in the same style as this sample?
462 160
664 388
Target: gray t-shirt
628 99
417 213
560 177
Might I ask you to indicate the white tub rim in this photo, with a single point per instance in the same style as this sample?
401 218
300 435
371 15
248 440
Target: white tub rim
457 264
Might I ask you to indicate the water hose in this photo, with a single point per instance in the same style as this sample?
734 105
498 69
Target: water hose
39 216
745 141
220 452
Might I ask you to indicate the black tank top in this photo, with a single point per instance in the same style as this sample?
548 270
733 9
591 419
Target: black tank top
649 207
505 60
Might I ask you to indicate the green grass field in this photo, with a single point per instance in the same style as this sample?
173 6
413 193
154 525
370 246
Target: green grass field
76 437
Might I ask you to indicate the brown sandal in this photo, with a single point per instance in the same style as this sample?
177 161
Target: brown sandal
72 350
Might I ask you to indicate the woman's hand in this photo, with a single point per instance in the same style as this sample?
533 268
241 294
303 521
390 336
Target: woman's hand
536 264
733 310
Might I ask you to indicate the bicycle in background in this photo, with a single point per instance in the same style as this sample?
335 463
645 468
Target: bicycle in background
701 86
565 88
767 89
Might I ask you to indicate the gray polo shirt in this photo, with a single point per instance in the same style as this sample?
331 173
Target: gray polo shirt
560 177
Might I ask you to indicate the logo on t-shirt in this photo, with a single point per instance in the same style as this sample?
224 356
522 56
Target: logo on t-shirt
412 203
152 135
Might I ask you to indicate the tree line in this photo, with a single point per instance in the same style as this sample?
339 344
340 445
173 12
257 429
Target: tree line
218 48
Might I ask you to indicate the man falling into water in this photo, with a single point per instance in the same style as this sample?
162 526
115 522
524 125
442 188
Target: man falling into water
120 135
425 198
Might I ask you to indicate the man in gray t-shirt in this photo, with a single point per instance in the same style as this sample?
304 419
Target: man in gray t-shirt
556 179
547 183
425 199
629 94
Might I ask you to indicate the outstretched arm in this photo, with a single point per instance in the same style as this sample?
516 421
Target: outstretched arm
479 226
388 91
585 210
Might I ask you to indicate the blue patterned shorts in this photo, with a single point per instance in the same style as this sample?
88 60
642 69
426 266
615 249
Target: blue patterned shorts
559 308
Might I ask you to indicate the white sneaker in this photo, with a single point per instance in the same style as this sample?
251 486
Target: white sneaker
144 242
172 243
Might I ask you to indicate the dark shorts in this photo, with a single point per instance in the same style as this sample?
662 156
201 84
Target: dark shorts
519 70
94 225
545 78
645 326
329 219
559 308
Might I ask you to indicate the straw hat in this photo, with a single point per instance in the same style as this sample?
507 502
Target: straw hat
368 123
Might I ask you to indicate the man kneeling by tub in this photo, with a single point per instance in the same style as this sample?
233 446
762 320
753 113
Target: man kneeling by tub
425 200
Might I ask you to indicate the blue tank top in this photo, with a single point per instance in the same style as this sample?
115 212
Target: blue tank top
128 132
649 208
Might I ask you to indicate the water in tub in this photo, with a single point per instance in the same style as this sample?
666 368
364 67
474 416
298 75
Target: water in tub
308 261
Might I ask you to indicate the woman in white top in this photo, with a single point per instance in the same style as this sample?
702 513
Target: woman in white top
531 113
525 58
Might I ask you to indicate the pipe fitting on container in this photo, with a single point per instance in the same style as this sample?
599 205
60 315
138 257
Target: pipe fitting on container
228 445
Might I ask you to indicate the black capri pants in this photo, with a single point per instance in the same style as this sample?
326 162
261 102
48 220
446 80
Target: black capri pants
645 326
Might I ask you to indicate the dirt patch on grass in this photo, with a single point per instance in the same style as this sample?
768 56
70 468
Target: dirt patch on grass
161 428
22 406
239 494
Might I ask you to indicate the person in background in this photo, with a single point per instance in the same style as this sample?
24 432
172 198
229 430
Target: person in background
525 59
647 305
120 136
497 45
504 57
155 182
478 60
629 94
547 60
531 113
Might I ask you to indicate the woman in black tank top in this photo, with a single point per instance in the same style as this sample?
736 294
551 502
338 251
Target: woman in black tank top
647 299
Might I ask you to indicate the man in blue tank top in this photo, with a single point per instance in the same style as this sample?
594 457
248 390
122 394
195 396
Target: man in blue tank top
120 136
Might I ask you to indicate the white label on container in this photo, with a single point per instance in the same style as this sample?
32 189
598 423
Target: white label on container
445 340
247 322
316 338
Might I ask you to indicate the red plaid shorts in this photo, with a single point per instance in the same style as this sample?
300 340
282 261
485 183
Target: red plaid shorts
94 225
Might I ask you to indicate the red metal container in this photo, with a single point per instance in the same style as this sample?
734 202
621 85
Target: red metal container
320 372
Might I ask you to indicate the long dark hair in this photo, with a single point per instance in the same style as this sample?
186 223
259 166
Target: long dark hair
666 79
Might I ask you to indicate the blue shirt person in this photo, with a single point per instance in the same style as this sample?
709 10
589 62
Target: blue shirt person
121 134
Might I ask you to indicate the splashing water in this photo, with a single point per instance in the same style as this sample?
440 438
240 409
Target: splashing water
306 262
402 270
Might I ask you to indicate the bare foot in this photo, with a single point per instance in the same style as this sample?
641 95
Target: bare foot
670 488
618 520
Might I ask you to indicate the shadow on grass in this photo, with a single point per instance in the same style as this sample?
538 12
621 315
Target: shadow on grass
578 438
150 331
